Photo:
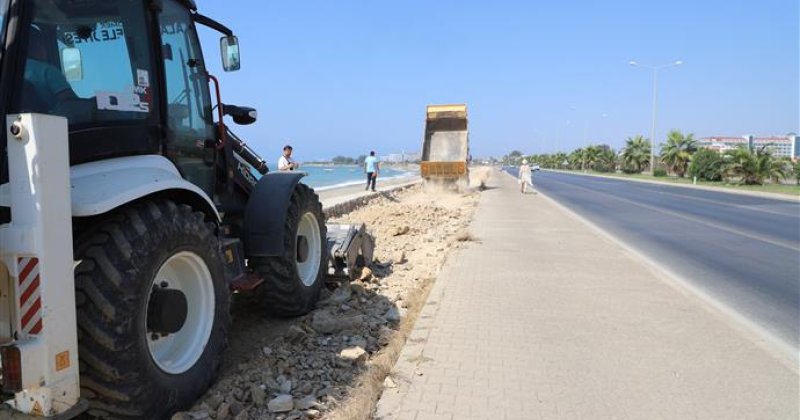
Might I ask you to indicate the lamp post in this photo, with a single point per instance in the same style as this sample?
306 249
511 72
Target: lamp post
655 97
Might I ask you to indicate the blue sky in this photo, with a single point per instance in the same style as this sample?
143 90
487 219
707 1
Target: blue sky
344 77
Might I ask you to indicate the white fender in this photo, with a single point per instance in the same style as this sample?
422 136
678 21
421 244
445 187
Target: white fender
98 187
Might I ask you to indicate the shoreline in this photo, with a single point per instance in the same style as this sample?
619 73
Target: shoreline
333 196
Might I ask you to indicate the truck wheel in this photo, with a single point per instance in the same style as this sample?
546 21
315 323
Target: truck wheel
153 310
292 282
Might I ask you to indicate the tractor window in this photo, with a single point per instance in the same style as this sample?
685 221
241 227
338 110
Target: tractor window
3 11
89 61
188 101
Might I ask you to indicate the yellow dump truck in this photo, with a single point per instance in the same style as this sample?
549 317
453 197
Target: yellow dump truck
445 148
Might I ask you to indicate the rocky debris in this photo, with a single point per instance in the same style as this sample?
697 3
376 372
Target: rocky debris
258 395
353 355
366 274
400 230
389 383
214 401
306 403
281 404
223 411
199 414
310 368
296 334
392 315
339 296
326 323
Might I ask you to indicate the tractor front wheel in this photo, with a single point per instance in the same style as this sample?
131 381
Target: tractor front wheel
153 310
293 281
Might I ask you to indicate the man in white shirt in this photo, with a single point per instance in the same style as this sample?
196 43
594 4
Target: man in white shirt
371 168
285 163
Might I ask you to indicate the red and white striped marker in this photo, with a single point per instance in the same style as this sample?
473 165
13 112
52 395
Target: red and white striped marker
30 300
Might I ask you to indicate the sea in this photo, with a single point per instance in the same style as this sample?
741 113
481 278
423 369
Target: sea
323 178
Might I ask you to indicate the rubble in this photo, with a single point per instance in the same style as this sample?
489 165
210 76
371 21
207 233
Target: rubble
281 404
308 369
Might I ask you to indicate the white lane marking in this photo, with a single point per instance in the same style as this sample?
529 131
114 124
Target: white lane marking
722 203
691 219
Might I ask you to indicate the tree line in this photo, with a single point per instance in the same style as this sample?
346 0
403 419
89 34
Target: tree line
346 160
678 156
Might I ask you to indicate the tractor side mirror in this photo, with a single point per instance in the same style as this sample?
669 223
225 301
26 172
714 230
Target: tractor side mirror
229 47
72 63
241 115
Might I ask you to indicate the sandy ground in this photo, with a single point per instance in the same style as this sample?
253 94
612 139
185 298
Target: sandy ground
313 366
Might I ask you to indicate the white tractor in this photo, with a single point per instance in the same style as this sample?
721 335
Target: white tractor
129 212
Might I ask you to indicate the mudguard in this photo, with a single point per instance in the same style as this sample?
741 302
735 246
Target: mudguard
99 187
265 214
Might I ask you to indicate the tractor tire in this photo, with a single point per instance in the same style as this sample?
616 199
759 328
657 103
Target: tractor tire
293 281
132 265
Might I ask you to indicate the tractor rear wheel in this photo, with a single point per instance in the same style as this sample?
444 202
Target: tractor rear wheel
153 310
293 281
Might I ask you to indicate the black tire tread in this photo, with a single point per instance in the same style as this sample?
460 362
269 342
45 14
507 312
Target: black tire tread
112 378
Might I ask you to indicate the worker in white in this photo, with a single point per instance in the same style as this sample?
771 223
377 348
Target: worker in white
525 176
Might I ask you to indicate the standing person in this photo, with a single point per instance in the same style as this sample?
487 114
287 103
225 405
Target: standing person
525 176
286 163
371 168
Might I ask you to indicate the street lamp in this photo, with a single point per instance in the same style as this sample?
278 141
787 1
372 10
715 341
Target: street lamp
655 96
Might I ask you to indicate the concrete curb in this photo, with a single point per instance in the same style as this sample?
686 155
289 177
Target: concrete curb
340 209
776 196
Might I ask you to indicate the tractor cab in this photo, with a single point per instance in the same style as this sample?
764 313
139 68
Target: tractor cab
129 76
129 211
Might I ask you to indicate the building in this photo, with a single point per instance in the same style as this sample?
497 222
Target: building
785 146
780 146
401 157
723 144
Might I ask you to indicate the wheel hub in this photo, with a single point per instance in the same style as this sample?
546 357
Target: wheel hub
180 312
302 249
167 311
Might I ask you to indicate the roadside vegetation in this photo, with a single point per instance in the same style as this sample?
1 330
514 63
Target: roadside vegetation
678 160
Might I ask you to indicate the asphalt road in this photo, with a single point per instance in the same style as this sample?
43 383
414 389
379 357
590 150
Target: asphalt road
741 251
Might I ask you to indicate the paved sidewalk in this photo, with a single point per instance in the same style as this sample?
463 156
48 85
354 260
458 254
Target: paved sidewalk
546 319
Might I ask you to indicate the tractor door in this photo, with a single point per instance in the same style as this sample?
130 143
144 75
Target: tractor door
189 118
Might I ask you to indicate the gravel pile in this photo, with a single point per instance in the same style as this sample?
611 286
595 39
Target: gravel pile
308 370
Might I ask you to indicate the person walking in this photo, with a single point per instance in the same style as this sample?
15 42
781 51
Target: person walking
285 162
371 167
525 176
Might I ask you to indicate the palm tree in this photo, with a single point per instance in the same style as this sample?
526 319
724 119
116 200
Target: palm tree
677 152
753 168
559 159
590 156
575 158
636 154
606 160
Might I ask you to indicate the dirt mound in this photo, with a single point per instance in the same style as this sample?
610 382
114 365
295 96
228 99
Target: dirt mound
311 367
